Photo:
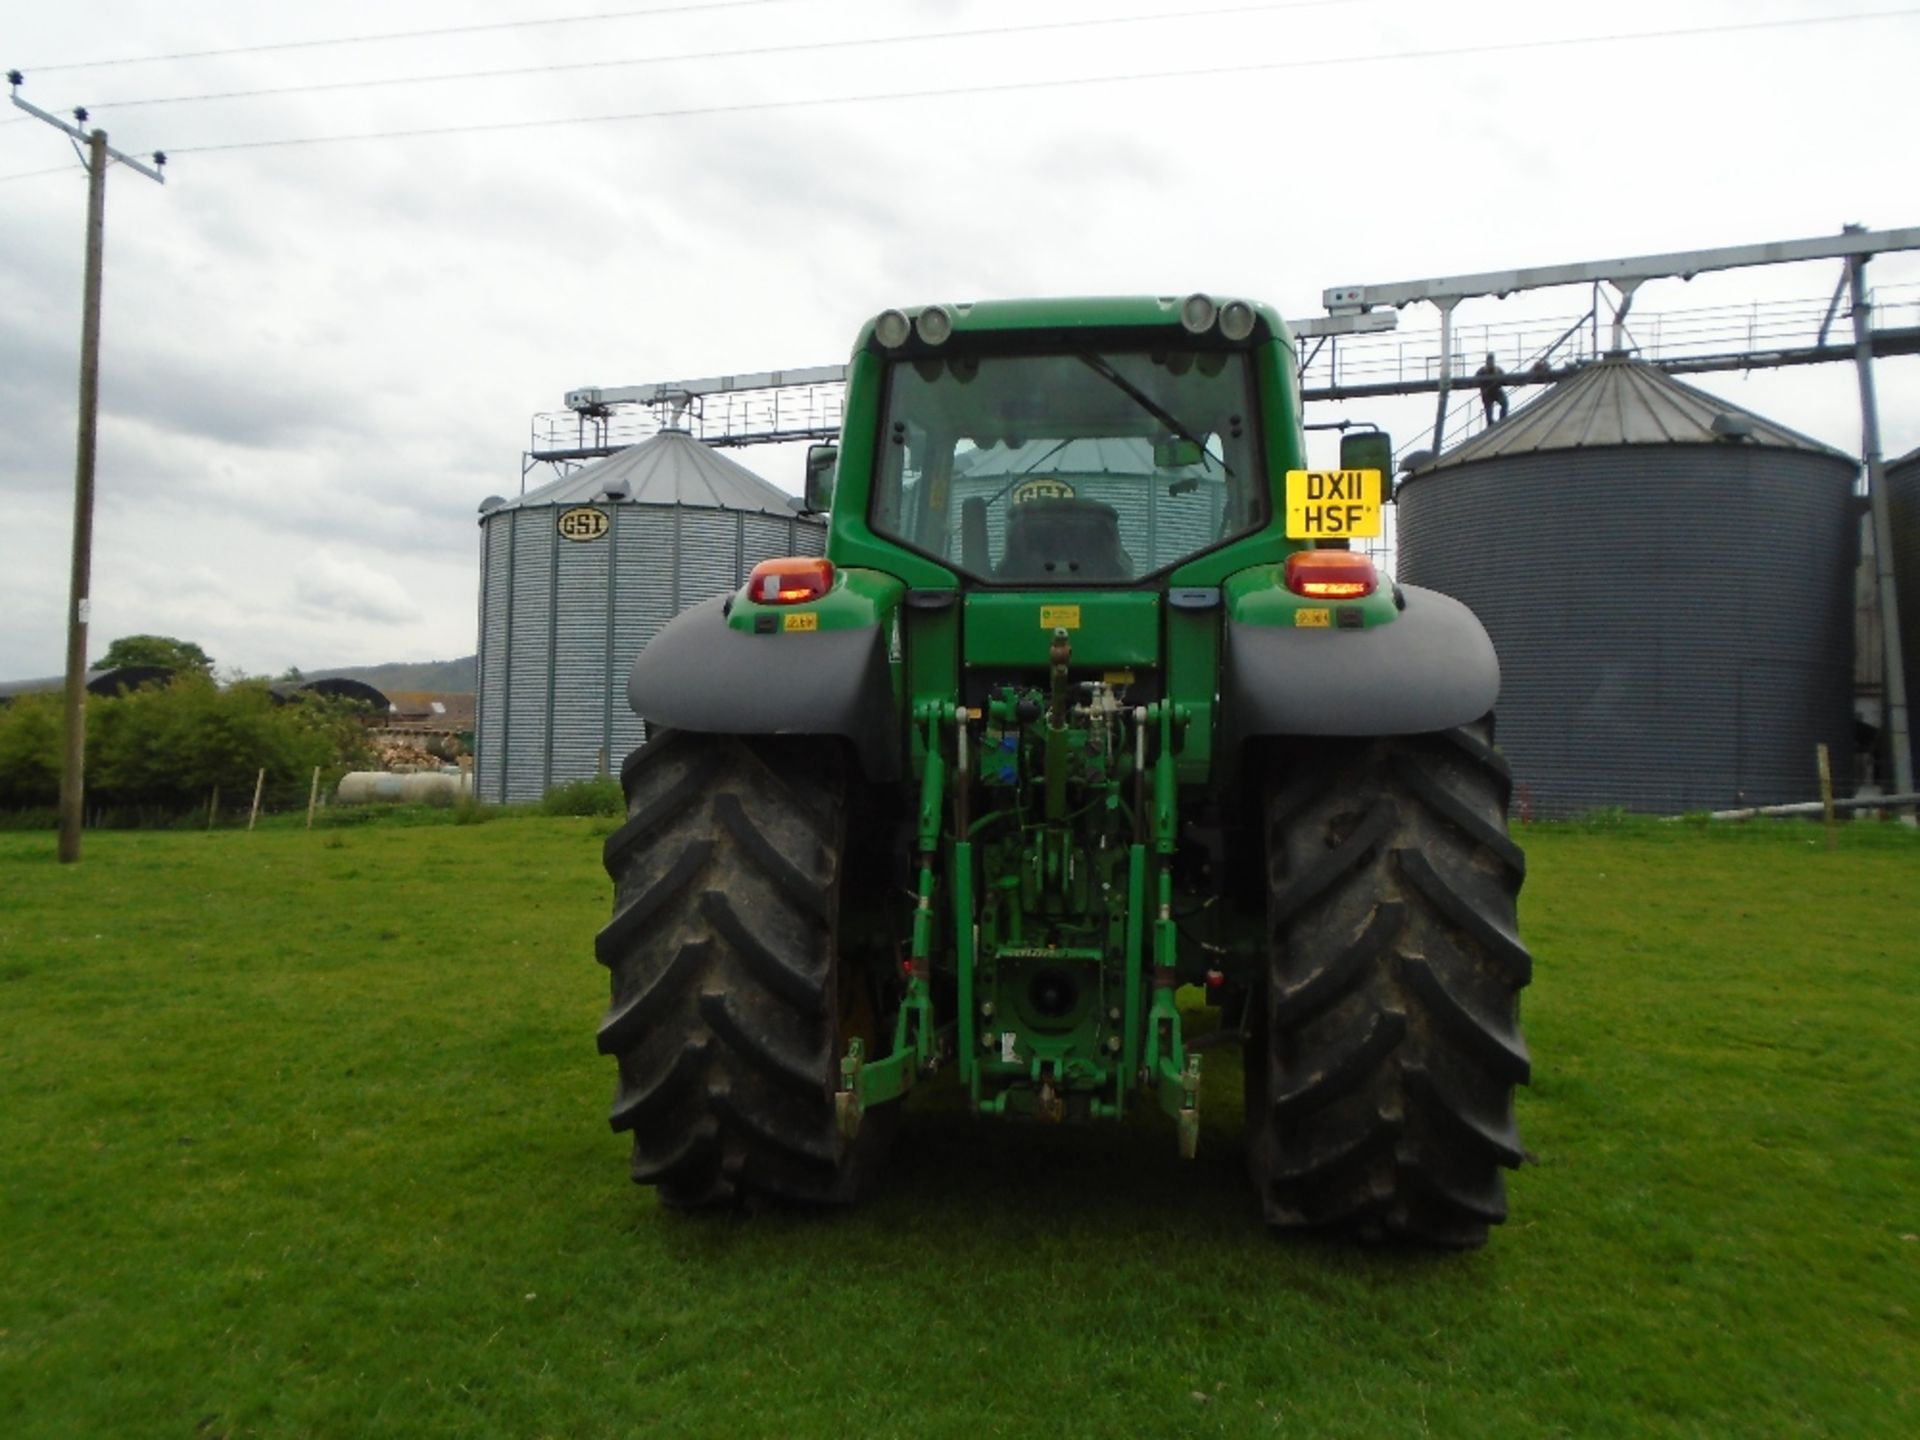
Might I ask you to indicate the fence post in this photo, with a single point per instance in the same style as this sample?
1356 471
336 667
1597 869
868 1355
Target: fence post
313 796
1826 788
258 785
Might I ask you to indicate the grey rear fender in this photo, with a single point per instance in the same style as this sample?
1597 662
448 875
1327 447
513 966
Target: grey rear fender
701 674
1431 668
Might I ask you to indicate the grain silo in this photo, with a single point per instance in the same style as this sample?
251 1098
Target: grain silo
577 575
1668 579
1903 514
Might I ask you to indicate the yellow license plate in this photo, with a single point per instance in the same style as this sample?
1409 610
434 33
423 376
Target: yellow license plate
1333 504
805 620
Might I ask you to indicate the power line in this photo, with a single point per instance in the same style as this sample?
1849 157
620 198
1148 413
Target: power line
1008 87
387 36
805 46
37 174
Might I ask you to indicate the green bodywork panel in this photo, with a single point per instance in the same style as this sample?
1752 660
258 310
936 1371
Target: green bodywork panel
1115 629
1193 679
858 599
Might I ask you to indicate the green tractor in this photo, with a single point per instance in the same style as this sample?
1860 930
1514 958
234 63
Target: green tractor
1089 700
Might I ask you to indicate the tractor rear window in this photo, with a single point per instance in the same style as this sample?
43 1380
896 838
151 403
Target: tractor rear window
1085 468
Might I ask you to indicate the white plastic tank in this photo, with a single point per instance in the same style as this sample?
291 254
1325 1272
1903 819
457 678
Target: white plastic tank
425 787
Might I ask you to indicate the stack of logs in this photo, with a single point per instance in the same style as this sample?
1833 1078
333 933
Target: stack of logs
399 755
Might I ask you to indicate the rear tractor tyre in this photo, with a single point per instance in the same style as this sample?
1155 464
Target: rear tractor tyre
730 1007
1382 1064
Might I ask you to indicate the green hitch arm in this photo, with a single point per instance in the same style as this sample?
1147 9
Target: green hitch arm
964 930
865 1082
1136 931
1135 960
1166 787
933 778
963 911
1164 1046
848 1104
1173 1072
1059 655
918 1002
1180 1097
1163 1016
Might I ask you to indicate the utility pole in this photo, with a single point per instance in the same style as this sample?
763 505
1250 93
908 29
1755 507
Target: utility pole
73 775
73 758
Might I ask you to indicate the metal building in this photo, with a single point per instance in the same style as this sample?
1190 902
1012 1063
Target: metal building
577 575
117 681
1668 579
337 687
1903 512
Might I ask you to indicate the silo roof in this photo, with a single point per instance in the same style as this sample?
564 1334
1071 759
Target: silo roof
670 468
1622 401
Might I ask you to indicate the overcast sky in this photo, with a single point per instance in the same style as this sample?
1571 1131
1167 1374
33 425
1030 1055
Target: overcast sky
318 358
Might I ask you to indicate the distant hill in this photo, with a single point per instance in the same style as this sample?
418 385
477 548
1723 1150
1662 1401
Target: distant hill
448 677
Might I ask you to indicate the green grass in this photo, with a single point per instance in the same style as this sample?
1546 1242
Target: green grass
303 1134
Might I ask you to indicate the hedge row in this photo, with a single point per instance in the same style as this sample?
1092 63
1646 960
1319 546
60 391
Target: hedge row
166 748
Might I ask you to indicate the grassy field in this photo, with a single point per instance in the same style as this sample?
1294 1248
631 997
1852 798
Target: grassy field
303 1134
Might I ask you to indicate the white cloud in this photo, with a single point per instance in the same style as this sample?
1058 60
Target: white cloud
335 586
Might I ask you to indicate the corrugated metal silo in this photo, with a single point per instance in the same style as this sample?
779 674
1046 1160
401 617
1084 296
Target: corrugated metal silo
1668 579
578 575
1903 513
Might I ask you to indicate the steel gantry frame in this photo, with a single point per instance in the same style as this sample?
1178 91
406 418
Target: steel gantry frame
1624 276
1353 310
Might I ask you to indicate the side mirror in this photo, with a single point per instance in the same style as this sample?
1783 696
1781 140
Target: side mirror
821 461
1176 454
1367 450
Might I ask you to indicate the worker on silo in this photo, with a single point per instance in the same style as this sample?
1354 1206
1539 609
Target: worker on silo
1492 394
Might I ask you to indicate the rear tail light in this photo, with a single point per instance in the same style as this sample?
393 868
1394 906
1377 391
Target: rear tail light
792 581
1331 574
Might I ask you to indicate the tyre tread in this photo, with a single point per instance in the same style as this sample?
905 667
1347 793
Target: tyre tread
721 947
1382 1101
